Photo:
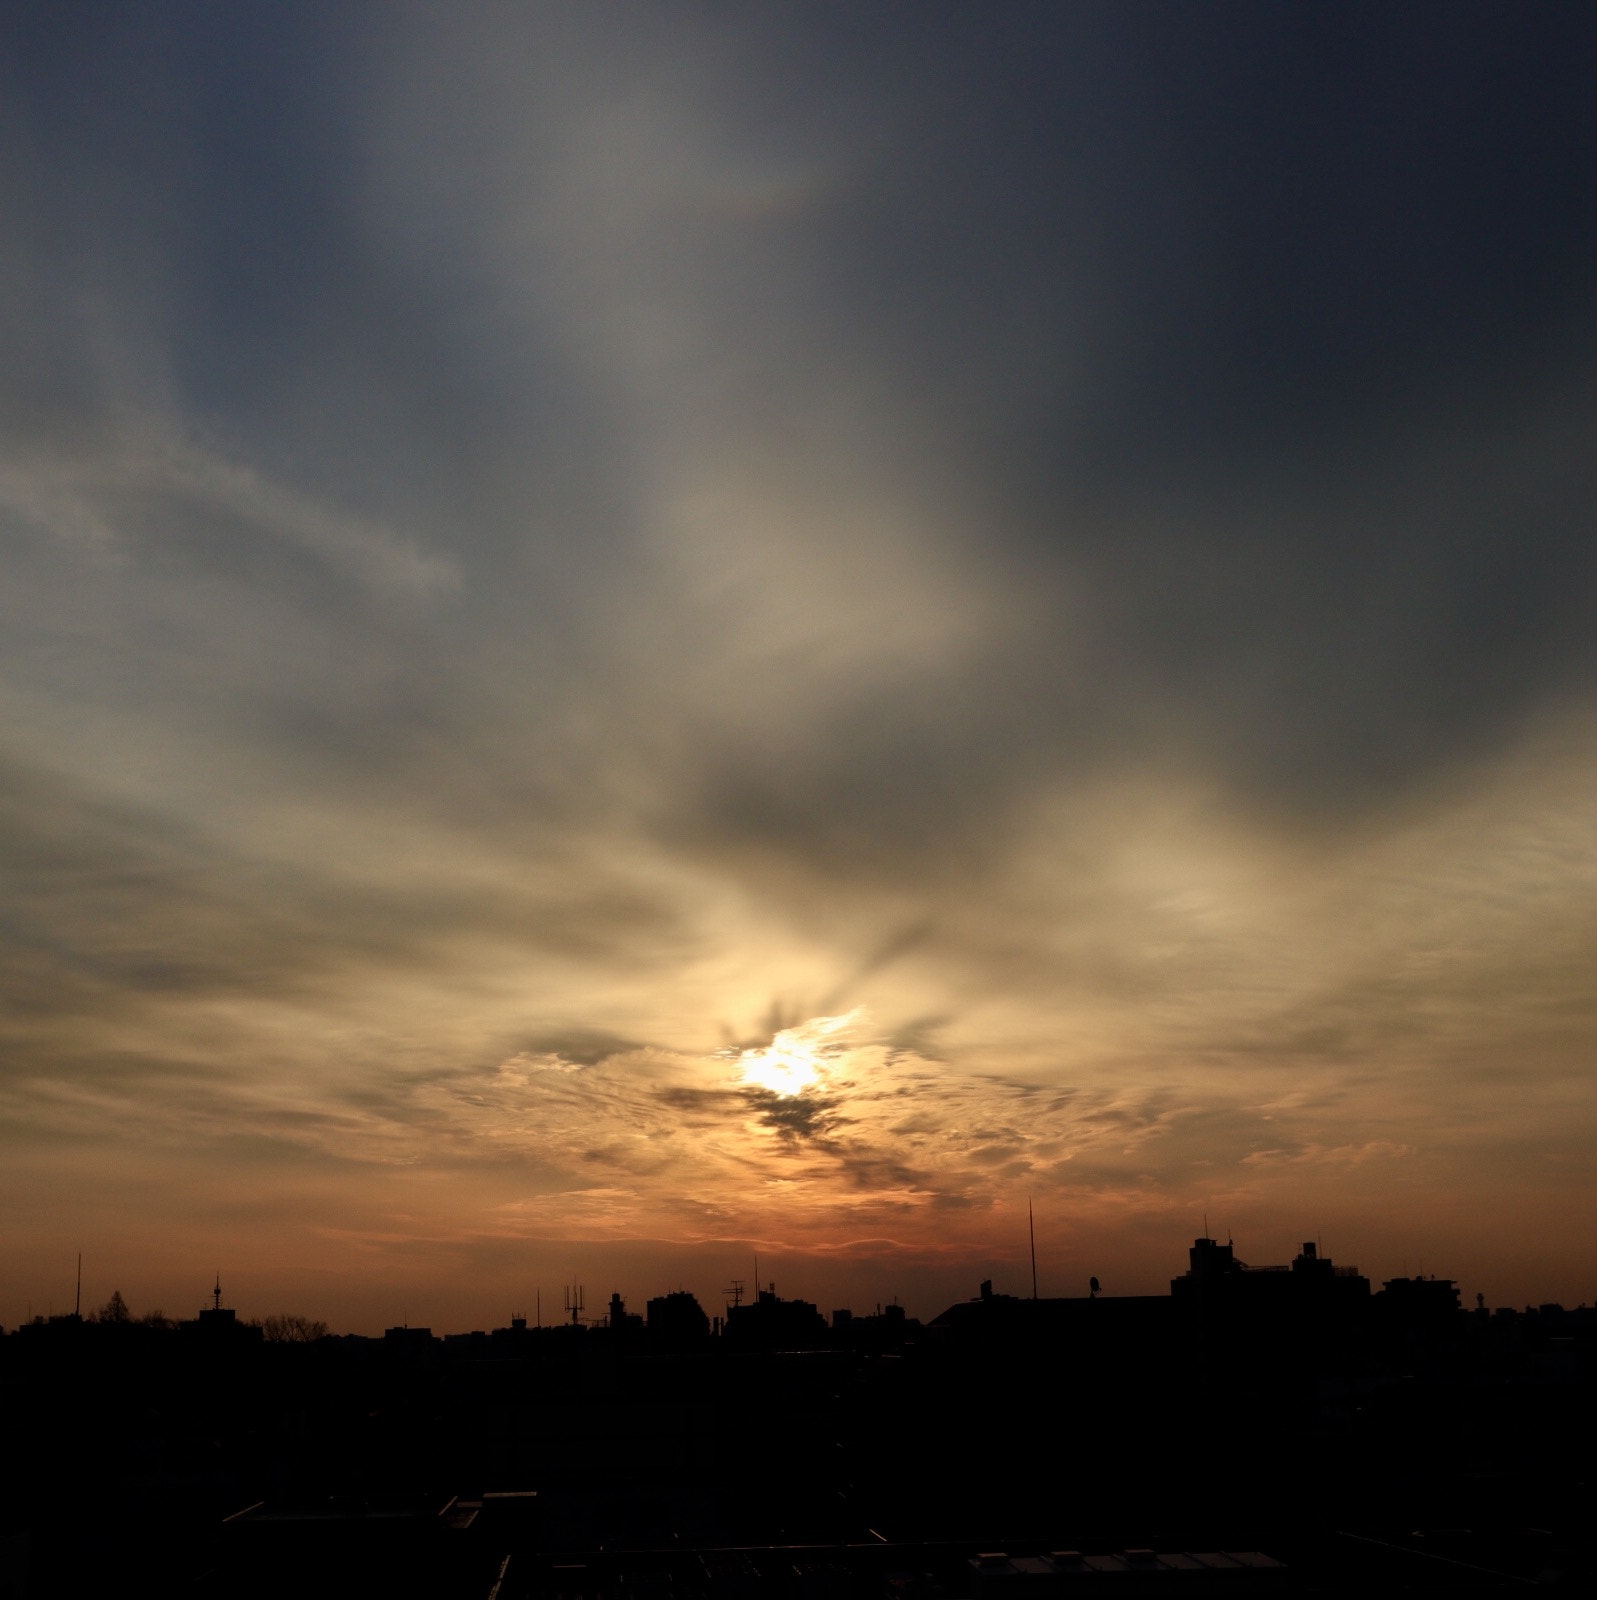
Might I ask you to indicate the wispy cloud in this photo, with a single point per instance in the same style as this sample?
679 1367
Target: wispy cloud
539 556
125 499
1342 1155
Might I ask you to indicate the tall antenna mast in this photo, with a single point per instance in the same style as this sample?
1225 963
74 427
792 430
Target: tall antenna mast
1031 1228
574 1304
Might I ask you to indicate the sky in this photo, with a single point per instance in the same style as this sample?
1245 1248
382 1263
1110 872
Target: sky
649 645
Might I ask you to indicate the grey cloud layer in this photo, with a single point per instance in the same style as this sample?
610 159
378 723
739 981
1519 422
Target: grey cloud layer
683 326
599 536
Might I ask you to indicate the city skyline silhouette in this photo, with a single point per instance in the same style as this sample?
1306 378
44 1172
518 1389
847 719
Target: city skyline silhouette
567 1303
1285 1419
648 651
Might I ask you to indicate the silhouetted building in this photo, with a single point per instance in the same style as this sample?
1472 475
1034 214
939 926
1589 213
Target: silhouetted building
1416 1320
677 1320
1216 1283
1269 1333
887 1329
621 1321
1430 1300
771 1323
410 1344
219 1324
1124 1327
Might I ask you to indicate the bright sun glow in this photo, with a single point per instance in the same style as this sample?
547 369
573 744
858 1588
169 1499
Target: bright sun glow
798 1057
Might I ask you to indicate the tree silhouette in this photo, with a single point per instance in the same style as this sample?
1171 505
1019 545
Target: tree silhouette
289 1329
115 1309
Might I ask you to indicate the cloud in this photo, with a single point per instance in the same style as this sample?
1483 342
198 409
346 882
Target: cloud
131 495
539 555
801 1117
1345 1155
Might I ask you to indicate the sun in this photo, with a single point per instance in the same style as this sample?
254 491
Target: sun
797 1058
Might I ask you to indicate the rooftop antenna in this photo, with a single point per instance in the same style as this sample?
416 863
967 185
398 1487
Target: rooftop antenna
216 1294
1031 1228
77 1305
574 1304
736 1291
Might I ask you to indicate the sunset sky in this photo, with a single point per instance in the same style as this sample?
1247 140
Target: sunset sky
638 635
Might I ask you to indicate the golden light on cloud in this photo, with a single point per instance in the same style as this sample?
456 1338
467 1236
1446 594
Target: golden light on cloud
797 1058
407 828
